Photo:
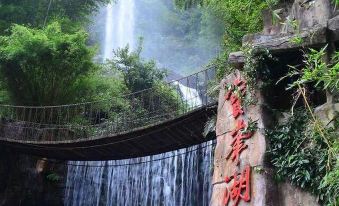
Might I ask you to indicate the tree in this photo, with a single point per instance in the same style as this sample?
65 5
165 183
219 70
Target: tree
44 66
37 13
238 18
146 82
138 73
187 4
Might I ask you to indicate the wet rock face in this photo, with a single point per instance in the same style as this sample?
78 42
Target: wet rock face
22 184
306 13
327 113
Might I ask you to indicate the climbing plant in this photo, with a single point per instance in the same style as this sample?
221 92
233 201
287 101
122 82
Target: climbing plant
303 149
301 155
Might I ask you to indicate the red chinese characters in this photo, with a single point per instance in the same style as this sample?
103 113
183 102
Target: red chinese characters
240 189
236 106
239 184
235 100
238 143
241 85
238 146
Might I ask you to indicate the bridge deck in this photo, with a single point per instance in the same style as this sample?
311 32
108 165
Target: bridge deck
180 132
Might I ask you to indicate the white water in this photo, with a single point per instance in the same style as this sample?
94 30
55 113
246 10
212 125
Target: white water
176 180
119 29
190 95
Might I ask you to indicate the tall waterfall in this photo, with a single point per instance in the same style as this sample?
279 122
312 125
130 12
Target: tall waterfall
119 29
178 178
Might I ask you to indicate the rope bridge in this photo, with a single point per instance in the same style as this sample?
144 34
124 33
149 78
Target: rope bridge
117 120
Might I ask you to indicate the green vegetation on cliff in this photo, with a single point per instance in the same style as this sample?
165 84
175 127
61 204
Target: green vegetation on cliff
303 150
306 156
238 17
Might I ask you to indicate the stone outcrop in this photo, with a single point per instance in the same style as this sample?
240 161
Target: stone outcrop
312 22
262 192
290 195
317 25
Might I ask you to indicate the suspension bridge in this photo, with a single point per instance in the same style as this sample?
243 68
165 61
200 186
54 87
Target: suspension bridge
152 121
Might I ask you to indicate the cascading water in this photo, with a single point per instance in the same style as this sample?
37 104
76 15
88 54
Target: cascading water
176 178
119 29
181 177
190 95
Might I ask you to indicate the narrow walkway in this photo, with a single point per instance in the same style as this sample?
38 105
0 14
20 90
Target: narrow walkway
153 124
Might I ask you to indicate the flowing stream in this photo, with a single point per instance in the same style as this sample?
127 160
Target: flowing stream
177 178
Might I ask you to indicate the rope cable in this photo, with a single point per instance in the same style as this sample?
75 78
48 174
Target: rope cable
47 113
105 144
173 83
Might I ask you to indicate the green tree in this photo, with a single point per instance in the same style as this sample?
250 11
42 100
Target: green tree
237 17
138 73
44 66
146 81
38 12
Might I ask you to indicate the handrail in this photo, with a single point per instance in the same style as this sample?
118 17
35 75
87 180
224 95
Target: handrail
97 118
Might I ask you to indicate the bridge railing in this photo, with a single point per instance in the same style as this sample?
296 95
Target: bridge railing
107 117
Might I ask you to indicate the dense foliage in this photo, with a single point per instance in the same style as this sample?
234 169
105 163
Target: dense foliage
316 70
38 13
44 66
139 74
301 155
237 18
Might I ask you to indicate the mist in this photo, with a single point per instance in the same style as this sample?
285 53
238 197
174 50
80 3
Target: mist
180 41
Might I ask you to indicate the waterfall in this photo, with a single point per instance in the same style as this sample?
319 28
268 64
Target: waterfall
119 27
178 178
190 95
